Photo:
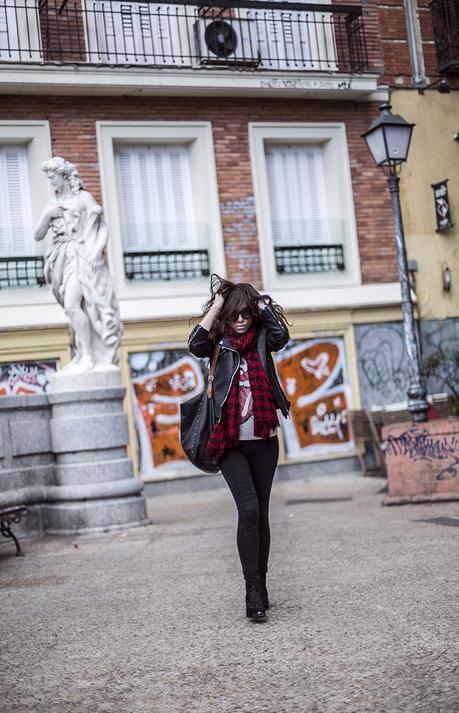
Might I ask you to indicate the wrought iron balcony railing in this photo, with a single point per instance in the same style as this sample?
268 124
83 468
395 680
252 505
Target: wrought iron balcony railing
234 34
445 20
166 265
21 272
300 259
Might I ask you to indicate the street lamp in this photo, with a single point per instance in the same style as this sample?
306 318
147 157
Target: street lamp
388 140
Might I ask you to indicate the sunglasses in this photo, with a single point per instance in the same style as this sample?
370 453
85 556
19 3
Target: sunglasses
245 313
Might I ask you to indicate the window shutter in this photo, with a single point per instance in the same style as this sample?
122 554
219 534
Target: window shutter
9 41
16 239
138 32
297 195
155 198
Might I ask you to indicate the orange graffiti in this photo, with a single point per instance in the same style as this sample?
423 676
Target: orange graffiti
158 398
312 377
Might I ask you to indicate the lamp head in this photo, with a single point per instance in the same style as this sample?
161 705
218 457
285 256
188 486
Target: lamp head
388 138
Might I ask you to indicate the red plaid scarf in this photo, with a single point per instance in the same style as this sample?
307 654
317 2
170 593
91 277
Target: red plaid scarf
225 434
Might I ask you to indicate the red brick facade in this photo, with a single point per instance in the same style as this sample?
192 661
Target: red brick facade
73 130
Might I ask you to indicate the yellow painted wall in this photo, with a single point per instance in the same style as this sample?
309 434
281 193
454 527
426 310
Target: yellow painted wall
433 157
31 344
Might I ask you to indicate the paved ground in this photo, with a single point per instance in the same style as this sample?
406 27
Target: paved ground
364 616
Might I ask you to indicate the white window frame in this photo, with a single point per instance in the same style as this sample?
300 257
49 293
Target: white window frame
332 136
174 297
35 136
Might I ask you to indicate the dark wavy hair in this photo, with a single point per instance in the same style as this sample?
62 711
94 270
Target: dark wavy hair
238 296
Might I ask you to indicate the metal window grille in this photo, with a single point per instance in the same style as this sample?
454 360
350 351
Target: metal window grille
445 23
167 265
21 272
311 258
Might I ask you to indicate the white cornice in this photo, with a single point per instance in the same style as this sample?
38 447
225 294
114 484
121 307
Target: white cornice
49 314
141 81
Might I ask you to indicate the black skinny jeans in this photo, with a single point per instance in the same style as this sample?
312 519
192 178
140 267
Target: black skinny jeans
249 471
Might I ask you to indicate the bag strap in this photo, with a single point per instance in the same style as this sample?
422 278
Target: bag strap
213 365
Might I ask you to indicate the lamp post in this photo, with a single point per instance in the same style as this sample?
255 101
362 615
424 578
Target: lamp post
388 140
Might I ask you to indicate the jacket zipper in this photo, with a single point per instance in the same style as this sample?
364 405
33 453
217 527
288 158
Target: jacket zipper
232 379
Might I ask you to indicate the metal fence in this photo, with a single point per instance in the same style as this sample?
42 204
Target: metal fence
242 35
302 259
21 272
445 21
166 265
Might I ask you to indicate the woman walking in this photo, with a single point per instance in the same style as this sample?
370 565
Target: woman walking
247 327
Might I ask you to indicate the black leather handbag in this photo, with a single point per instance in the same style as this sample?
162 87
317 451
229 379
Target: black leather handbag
197 419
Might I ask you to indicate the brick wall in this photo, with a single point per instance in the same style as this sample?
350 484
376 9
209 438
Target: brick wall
388 43
73 131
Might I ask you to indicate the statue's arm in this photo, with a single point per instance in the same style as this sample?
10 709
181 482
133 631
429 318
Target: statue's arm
44 222
102 239
96 234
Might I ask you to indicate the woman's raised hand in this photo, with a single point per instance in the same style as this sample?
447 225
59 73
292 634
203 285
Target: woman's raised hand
218 302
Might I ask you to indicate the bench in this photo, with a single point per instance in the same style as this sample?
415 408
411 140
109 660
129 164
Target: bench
8 517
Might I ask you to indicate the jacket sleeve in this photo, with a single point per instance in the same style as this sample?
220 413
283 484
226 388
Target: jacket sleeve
199 343
277 334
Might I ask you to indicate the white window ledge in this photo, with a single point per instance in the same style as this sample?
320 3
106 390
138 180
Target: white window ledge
335 298
35 79
48 314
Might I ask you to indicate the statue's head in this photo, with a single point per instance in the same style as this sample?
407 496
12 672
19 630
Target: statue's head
62 174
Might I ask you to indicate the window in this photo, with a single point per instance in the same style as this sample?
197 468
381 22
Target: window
294 39
15 216
154 185
161 202
19 266
19 32
304 204
137 33
159 233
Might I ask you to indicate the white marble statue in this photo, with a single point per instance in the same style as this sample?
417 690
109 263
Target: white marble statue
76 270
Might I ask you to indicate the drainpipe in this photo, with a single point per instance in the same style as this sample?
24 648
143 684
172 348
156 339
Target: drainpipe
413 32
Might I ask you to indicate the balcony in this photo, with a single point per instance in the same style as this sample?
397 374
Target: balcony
244 36
21 272
166 265
445 20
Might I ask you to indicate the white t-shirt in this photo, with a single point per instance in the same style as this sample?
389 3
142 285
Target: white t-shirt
246 406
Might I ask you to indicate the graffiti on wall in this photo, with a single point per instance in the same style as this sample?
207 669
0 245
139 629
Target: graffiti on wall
382 363
26 377
440 453
313 375
161 380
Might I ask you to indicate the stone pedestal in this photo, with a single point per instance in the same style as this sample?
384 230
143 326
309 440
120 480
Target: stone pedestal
422 461
26 458
94 487
63 454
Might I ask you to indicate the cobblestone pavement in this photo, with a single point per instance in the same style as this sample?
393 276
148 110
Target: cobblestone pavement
151 620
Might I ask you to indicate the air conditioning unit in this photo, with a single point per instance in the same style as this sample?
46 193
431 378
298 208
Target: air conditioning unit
226 41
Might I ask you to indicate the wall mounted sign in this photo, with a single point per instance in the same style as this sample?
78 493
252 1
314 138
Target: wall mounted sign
442 210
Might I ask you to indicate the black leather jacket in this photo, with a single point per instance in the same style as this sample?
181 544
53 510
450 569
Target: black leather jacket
272 336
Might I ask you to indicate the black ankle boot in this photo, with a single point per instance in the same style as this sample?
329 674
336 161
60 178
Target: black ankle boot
254 599
264 591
